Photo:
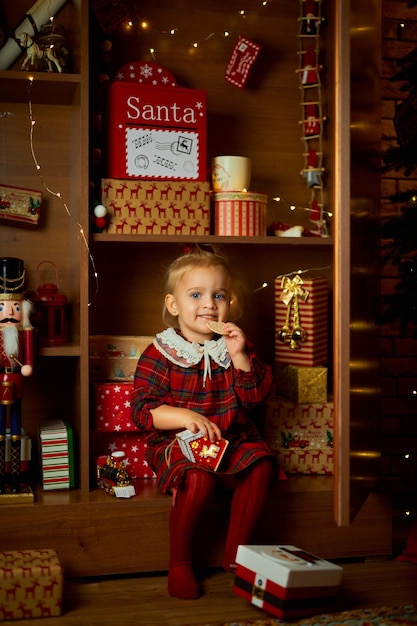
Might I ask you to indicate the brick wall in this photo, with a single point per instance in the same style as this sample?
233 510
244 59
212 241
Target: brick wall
399 354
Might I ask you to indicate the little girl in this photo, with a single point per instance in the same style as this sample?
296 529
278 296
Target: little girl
191 378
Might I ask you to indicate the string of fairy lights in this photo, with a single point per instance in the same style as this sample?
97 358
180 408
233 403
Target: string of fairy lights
57 194
146 29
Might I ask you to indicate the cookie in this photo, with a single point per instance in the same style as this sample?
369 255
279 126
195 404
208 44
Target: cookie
217 327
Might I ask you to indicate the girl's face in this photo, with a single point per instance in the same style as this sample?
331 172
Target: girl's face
202 295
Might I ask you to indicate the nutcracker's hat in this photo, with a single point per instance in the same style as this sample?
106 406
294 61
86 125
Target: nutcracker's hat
12 278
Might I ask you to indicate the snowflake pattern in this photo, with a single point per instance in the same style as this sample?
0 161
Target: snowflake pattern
146 71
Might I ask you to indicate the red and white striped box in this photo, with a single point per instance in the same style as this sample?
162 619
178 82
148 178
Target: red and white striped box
31 584
286 581
313 316
57 455
240 213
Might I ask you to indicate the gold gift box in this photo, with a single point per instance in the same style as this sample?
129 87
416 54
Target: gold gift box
302 384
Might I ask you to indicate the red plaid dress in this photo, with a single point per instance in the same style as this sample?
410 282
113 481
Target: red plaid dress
204 381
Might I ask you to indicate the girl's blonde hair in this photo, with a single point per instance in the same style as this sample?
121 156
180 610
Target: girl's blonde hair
195 258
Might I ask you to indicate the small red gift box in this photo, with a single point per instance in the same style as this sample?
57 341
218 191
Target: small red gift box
311 295
199 449
112 410
286 581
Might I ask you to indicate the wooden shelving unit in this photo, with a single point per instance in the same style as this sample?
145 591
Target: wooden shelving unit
91 531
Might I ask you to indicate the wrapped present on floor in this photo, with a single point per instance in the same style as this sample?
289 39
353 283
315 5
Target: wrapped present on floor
302 384
301 320
240 213
155 131
31 584
285 580
56 451
112 412
132 444
114 357
301 435
144 207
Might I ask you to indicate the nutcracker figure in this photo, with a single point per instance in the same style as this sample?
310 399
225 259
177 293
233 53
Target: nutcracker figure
16 361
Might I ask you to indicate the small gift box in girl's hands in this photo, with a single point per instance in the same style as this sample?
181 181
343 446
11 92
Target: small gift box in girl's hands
200 449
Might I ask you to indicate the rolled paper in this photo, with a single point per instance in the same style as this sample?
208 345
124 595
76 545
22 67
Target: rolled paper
37 16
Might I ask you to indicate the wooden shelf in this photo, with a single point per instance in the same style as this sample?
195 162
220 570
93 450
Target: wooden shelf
64 351
93 532
325 242
47 88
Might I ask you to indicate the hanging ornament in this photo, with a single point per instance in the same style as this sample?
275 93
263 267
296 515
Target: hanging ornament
243 56
292 294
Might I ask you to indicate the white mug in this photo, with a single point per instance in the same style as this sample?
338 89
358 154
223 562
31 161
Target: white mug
231 173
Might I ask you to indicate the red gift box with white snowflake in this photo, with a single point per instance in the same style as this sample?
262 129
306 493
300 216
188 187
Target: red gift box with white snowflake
112 412
156 130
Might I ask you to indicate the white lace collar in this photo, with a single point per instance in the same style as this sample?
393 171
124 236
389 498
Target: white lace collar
185 353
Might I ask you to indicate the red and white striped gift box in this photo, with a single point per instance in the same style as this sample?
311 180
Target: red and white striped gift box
313 319
240 213
57 455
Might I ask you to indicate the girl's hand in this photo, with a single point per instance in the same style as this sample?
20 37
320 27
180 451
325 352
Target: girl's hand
236 344
166 417
198 423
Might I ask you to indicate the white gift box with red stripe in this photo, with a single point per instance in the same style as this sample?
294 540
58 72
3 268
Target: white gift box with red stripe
240 213
285 580
57 455
312 299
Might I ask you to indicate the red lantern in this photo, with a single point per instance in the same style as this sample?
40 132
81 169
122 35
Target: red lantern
51 307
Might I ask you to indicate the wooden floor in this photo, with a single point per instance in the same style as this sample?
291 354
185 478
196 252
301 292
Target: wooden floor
144 601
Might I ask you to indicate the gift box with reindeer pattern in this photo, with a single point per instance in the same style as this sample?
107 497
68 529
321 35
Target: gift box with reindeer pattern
144 207
31 584
301 435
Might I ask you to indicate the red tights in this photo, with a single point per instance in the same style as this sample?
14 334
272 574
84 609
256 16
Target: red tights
192 502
